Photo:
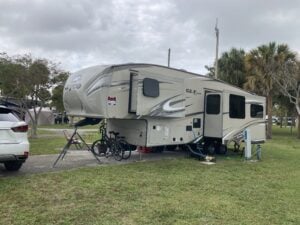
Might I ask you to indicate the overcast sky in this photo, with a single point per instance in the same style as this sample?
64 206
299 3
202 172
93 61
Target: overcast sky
82 33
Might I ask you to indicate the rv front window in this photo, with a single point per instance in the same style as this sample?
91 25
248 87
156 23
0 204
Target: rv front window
256 111
213 104
150 87
237 106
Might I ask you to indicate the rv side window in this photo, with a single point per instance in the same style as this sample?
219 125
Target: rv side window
150 87
256 111
237 106
213 104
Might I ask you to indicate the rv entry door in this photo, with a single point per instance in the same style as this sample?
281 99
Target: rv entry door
213 119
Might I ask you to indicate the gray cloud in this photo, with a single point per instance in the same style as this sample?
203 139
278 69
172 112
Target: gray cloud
87 32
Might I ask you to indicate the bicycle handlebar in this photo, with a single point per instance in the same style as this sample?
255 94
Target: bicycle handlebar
114 133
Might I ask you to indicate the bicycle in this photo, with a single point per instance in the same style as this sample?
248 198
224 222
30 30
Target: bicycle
122 145
111 146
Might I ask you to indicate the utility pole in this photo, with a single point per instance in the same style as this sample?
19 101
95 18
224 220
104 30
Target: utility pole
217 50
169 57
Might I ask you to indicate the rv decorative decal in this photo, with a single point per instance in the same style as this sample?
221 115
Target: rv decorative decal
193 114
191 91
111 100
119 83
105 81
101 82
236 132
167 107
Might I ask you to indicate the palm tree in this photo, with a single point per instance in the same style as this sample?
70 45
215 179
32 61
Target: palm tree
232 67
262 64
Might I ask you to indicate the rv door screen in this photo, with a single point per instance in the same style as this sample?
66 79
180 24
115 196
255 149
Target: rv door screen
213 123
133 93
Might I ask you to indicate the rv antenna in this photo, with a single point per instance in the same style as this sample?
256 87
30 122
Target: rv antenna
169 56
217 50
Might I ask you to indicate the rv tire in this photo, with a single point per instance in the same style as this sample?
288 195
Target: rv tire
210 149
222 149
171 147
159 149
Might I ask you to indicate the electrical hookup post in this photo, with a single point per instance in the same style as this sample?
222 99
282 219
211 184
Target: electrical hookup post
248 147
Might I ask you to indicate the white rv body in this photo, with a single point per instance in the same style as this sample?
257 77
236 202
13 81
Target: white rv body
154 105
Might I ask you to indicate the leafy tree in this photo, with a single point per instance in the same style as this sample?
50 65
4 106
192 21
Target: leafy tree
29 81
288 81
57 93
282 107
232 67
262 64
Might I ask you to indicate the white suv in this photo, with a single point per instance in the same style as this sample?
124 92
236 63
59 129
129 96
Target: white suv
14 145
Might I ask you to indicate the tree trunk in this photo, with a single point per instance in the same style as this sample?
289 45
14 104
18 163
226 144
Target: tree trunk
285 119
269 109
298 133
34 121
34 129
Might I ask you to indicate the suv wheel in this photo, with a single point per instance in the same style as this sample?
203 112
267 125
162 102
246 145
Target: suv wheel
13 165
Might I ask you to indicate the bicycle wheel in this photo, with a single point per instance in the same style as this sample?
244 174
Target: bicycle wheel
99 147
126 149
117 151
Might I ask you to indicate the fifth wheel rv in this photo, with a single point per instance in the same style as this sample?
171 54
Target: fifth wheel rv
157 106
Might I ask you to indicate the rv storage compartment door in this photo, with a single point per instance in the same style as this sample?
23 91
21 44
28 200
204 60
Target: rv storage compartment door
160 96
213 123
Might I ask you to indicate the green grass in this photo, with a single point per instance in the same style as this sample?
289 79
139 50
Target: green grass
179 191
53 140
49 142
46 145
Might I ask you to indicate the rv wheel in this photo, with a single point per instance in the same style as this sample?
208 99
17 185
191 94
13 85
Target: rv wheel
222 149
171 147
159 148
210 149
